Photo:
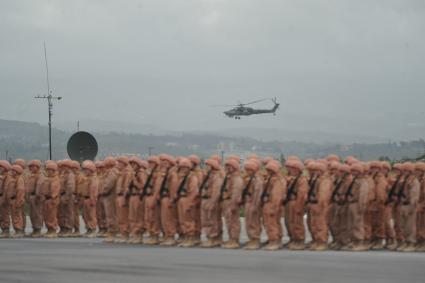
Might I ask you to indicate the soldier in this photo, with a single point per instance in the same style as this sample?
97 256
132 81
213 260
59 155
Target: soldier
210 206
100 205
295 204
49 192
378 205
370 203
152 211
136 203
15 194
318 200
408 198
231 197
196 169
167 193
78 198
33 197
108 197
274 192
420 229
22 164
186 194
66 204
356 197
122 191
251 199
4 204
339 210
89 192
391 215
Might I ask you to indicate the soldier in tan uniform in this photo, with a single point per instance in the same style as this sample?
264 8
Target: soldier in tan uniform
136 203
100 204
122 199
89 192
274 192
251 200
15 194
196 169
108 197
318 203
33 197
408 198
66 204
378 205
392 222
210 206
357 197
49 192
166 195
295 204
4 203
78 199
186 197
420 222
231 196
152 210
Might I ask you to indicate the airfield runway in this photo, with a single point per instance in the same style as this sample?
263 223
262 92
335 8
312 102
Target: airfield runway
90 260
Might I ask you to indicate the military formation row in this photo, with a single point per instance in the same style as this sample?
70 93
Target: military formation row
358 205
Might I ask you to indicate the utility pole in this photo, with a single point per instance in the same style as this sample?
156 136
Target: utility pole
49 98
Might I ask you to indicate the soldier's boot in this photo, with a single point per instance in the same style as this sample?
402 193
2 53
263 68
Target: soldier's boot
153 240
310 244
76 233
109 237
409 248
401 246
319 247
121 239
391 244
297 246
180 239
287 244
51 234
359 246
61 232
217 242
91 233
168 241
190 242
420 246
378 245
333 245
231 244
273 246
5 233
19 233
208 244
36 233
347 246
138 240
101 233
197 240
253 245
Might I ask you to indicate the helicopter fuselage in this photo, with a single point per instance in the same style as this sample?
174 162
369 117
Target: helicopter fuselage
247 111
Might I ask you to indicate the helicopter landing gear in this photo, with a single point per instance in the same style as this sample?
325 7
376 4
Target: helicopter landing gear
237 118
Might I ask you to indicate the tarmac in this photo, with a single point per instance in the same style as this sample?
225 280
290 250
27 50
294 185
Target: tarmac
76 260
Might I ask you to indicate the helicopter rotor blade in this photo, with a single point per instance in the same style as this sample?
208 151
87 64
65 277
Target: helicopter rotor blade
224 105
257 101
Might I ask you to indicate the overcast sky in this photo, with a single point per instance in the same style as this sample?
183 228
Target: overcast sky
333 65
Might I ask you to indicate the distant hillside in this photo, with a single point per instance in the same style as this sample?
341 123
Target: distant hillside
30 140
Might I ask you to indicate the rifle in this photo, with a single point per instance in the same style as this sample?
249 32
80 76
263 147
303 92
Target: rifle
400 194
182 188
148 183
265 194
245 191
349 192
291 190
337 187
392 191
223 188
311 191
204 182
164 189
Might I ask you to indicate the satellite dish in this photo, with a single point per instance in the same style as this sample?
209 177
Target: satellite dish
82 146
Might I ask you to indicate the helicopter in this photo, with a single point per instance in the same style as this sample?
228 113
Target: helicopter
242 110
